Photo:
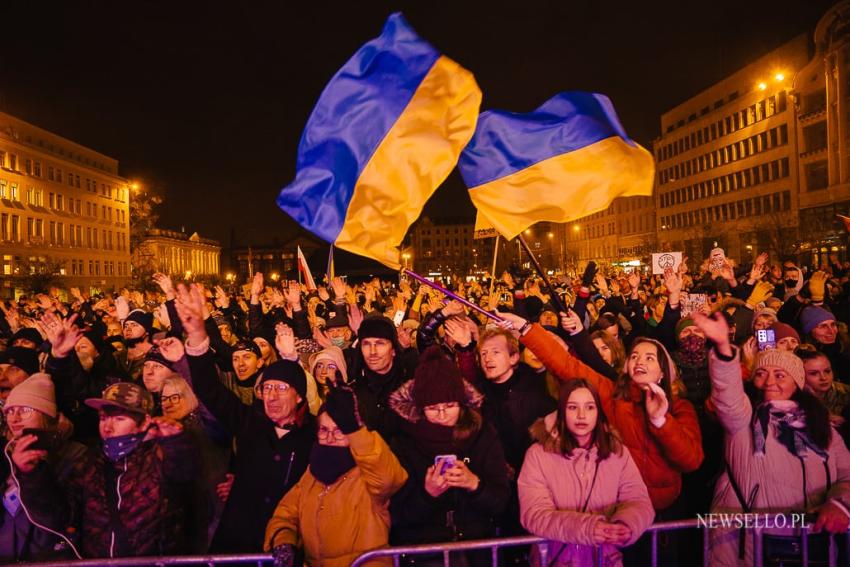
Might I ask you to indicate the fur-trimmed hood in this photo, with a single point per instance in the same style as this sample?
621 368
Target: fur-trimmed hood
401 401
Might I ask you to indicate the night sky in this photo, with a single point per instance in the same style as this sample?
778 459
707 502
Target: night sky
205 102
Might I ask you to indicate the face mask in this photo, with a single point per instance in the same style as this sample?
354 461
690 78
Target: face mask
692 349
790 283
338 342
118 447
328 463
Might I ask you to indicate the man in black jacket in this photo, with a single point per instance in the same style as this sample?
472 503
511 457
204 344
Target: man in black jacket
273 437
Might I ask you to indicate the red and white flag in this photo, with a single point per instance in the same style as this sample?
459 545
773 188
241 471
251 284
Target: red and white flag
305 271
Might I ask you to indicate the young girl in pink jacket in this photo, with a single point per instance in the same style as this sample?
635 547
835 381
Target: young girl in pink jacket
579 486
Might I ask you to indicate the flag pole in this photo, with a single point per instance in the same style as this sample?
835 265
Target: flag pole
493 271
451 294
554 298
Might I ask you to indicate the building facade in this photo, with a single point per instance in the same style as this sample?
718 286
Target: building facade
444 247
64 210
177 253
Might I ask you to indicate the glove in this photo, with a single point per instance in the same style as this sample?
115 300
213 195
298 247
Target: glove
283 555
341 405
589 274
817 286
761 291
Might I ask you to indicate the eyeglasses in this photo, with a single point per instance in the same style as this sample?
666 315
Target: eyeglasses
441 408
278 388
324 433
171 400
22 412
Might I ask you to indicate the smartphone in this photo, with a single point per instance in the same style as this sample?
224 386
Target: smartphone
398 318
444 462
766 339
47 439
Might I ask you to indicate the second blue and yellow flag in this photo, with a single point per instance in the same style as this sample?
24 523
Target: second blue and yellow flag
569 158
385 133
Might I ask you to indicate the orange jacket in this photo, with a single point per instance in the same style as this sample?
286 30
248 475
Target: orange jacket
663 453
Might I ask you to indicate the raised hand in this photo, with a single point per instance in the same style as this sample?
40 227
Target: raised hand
321 337
338 286
222 300
62 334
75 293
716 330
355 317
122 307
190 309
257 287
323 293
458 331
27 459
601 283
171 348
284 341
162 427
673 283
292 295
341 404
453 308
571 322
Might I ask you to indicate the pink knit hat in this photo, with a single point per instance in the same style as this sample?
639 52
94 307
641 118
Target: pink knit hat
36 392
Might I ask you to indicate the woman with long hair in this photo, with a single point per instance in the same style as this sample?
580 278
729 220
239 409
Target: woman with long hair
782 454
579 486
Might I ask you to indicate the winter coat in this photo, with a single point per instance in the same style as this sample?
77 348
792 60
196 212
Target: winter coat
338 523
130 507
785 483
563 498
662 453
457 514
20 540
266 466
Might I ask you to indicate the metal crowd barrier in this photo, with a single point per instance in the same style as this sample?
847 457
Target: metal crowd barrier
444 549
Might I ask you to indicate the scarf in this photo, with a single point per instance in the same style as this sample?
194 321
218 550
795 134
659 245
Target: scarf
328 463
692 350
790 426
118 447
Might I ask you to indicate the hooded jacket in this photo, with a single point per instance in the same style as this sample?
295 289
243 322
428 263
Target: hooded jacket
785 483
662 453
337 523
562 498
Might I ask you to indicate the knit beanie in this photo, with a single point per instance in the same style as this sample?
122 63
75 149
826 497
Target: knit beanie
787 361
36 392
812 316
684 324
287 371
24 358
783 331
27 334
143 318
377 327
155 355
437 380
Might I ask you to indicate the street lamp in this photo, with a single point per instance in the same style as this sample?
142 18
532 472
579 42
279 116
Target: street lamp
406 257
275 276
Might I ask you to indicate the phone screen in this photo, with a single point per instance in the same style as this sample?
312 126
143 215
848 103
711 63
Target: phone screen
766 339
398 318
444 462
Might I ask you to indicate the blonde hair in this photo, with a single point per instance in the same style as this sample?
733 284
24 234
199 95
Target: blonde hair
179 383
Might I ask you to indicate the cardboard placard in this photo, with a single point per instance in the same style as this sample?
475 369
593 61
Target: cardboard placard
663 260
692 302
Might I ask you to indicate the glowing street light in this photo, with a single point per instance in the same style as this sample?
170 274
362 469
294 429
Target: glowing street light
275 276
576 227
780 77
762 86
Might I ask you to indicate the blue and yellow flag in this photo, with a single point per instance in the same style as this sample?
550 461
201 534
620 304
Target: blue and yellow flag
386 132
567 159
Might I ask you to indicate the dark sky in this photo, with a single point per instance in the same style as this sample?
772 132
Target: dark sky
206 101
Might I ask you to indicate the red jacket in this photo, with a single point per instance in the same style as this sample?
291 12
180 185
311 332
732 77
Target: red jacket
663 453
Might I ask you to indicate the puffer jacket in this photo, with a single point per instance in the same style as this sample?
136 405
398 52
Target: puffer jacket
661 453
785 483
337 523
563 498
125 508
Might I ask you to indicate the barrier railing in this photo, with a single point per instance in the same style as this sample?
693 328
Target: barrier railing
446 549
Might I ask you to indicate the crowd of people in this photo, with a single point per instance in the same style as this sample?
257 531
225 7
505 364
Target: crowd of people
321 424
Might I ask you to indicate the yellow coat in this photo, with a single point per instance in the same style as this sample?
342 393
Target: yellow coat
335 524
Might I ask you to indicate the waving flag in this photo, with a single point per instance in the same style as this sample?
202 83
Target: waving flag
567 159
304 270
386 132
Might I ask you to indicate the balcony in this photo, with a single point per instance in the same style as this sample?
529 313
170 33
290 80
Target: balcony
812 114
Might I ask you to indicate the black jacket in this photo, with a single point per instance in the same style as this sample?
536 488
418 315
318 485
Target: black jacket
513 406
457 514
265 466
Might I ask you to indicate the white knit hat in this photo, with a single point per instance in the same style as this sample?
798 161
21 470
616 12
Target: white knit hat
790 363
36 392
